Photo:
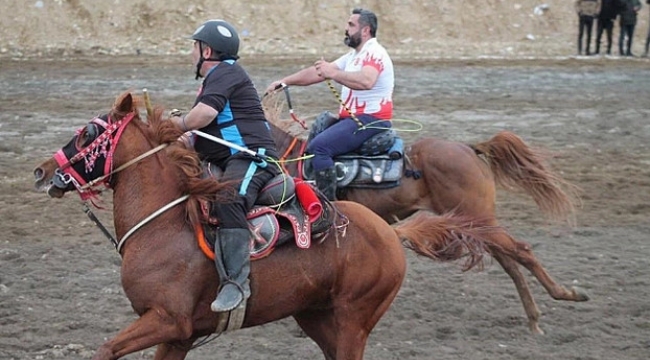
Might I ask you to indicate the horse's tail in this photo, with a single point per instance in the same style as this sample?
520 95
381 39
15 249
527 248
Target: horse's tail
446 238
518 167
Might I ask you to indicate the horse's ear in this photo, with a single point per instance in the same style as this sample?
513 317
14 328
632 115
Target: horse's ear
124 103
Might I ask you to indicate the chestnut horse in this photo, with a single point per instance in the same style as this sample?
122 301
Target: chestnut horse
463 178
337 290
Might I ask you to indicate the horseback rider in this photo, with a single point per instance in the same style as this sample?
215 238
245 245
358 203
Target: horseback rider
228 107
367 79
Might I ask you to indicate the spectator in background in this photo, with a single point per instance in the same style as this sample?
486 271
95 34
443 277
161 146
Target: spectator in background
627 21
587 10
609 10
647 39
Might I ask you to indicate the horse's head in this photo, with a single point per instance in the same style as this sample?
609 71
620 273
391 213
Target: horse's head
89 156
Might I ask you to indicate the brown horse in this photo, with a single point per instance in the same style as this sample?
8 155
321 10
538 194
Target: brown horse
463 178
337 290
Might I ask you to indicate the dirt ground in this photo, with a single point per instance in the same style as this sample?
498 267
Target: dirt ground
60 291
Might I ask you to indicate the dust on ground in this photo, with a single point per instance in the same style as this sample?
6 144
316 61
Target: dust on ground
60 289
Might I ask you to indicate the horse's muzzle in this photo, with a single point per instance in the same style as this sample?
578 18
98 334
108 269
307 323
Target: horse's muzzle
53 187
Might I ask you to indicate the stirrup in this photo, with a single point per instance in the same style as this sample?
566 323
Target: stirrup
226 302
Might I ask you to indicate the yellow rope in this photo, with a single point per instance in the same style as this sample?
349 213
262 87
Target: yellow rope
369 126
338 97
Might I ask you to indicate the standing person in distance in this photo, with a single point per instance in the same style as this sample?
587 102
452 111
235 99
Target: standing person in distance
587 10
609 10
647 38
367 79
627 22
228 107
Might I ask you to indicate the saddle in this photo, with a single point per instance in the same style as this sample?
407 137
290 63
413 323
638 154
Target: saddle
377 164
285 209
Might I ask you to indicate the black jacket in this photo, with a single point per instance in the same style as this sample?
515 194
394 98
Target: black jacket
628 13
609 9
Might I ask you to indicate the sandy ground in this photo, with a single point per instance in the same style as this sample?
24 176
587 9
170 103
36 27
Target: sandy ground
60 292
409 29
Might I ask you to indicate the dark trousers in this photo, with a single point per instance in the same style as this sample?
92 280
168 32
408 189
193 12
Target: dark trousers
606 25
343 137
626 30
586 23
647 42
245 179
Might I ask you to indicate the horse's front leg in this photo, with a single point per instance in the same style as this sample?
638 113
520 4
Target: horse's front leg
154 327
177 351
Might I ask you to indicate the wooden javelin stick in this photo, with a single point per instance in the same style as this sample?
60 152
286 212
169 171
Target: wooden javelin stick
147 102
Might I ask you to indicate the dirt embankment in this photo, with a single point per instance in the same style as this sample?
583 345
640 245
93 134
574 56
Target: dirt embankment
410 29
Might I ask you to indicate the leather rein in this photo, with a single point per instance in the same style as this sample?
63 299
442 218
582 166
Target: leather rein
112 134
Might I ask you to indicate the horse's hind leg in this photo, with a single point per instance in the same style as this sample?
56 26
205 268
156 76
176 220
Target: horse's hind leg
509 253
524 255
319 325
342 331
512 269
339 337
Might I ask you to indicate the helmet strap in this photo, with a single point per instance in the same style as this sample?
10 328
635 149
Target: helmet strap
221 57
200 63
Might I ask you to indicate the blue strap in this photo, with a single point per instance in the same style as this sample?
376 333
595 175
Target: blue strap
243 189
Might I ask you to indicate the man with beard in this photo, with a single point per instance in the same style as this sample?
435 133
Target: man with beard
367 80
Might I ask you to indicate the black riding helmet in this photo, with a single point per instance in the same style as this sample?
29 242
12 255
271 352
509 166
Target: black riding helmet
221 37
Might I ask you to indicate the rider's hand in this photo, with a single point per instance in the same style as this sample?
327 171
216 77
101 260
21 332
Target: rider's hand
325 69
273 86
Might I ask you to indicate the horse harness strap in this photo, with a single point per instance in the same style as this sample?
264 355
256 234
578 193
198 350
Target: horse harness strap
119 244
123 166
148 219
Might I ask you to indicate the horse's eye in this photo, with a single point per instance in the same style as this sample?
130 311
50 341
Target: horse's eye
91 131
86 136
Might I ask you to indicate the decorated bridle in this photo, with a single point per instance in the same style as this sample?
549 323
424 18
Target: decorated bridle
103 146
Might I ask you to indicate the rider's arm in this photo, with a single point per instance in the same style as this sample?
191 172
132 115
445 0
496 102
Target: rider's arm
304 77
364 79
200 116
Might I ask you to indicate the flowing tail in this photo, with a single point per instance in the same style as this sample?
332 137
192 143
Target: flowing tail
446 238
518 167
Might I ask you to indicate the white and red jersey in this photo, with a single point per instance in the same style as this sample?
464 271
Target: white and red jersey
377 101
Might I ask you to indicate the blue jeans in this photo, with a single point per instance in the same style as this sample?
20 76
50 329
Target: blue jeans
626 30
341 138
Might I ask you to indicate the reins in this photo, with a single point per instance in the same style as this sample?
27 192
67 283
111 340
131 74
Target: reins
146 220
119 244
104 179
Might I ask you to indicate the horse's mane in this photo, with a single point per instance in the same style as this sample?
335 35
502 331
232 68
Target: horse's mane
159 131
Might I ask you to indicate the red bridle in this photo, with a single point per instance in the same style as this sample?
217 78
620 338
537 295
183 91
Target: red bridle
104 145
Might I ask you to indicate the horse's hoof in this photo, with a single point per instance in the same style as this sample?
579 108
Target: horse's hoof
535 329
580 294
